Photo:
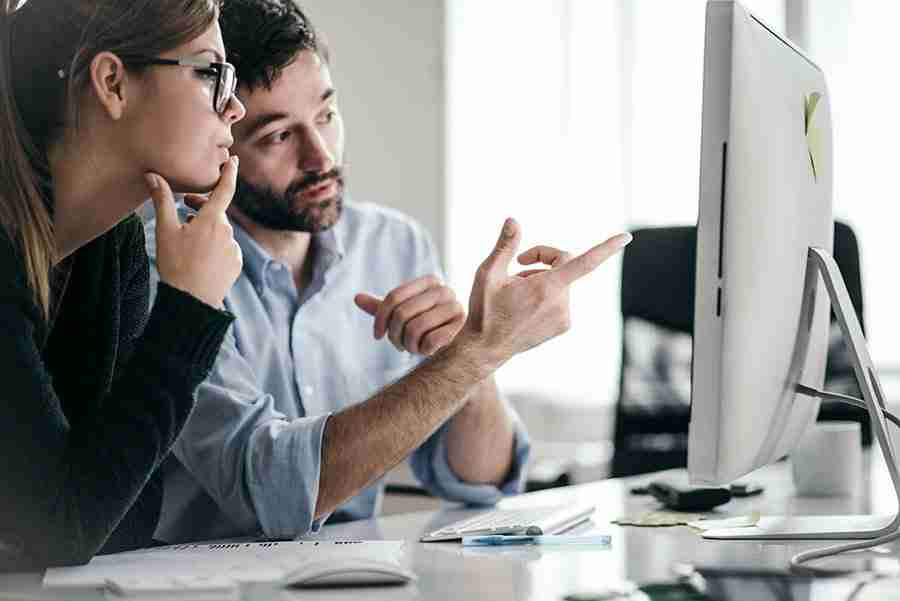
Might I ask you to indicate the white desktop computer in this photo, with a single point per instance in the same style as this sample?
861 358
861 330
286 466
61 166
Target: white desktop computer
765 276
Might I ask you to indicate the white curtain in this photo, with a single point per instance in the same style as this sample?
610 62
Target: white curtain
857 44
580 118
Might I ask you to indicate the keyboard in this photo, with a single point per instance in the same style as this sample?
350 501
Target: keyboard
531 521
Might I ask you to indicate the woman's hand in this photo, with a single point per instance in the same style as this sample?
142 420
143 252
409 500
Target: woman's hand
199 257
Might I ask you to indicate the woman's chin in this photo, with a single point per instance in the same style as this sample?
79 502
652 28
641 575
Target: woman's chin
194 185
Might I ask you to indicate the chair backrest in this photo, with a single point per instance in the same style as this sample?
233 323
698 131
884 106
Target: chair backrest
657 305
658 275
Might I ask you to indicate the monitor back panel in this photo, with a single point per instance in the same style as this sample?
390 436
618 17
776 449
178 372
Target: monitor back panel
765 198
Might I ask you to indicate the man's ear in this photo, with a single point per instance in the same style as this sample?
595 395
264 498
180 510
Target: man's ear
108 81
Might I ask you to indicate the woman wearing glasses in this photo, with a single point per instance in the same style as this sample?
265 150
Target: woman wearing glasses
102 103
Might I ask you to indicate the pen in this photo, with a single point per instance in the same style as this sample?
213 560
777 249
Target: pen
499 540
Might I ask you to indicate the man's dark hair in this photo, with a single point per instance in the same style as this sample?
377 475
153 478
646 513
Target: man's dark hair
262 37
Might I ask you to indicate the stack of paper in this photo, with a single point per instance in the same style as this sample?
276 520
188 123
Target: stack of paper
176 589
210 570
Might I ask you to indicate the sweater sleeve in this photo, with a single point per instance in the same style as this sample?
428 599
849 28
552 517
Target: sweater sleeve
67 485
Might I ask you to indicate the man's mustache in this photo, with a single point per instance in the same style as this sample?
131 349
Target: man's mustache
314 179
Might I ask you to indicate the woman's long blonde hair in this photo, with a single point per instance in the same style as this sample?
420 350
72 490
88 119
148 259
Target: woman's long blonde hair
46 49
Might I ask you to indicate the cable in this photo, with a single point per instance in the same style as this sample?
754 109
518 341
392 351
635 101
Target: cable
799 559
849 400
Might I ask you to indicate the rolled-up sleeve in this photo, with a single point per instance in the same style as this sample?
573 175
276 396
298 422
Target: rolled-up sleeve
283 464
259 466
430 465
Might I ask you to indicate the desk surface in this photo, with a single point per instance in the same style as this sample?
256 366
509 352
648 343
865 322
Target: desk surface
640 555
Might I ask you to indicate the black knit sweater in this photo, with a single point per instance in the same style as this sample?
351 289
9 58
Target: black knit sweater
92 406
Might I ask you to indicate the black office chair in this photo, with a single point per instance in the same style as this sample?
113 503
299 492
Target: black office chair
657 297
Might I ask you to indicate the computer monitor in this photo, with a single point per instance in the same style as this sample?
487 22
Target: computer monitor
763 203
766 280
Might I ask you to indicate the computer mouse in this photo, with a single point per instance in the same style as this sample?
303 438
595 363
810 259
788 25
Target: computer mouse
335 572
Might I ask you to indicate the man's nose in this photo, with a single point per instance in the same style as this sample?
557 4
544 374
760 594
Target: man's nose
316 156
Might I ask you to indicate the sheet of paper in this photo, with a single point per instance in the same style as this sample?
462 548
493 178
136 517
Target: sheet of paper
813 132
27 587
190 591
697 521
212 566
659 518
743 521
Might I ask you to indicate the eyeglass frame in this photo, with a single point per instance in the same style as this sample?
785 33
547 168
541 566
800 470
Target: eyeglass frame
219 67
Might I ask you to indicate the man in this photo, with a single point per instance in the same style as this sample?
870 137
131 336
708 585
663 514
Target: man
348 354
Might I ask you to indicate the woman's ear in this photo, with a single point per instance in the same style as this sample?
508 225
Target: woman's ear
108 81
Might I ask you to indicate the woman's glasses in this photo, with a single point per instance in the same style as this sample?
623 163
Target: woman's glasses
224 73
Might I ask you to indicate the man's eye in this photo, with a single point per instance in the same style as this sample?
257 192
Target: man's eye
279 137
329 116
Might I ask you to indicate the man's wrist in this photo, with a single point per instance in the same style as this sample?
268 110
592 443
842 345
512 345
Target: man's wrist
469 349
482 395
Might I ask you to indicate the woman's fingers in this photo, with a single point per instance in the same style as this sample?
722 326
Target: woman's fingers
163 202
203 260
195 201
220 198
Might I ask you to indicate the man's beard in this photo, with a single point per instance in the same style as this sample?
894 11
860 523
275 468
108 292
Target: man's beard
275 211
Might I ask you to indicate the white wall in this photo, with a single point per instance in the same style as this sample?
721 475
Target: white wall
388 66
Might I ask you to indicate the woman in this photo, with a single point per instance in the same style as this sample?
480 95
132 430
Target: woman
103 102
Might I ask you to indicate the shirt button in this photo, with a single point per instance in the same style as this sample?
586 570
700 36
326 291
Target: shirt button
307 390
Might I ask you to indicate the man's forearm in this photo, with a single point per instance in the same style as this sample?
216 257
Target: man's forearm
363 442
481 437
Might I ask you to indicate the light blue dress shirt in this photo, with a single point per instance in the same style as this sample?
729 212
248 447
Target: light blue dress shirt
249 458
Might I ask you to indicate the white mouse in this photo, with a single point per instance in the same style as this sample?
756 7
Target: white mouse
348 572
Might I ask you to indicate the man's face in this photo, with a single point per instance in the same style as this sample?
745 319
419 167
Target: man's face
291 147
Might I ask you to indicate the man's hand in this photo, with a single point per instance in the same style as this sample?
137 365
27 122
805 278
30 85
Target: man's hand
511 314
421 316
507 315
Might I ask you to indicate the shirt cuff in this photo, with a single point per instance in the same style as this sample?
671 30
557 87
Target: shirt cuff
285 498
431 466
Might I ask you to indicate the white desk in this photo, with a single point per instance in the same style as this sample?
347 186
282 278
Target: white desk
642 555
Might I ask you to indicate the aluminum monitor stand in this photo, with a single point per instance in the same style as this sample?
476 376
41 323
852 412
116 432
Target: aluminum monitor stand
834 527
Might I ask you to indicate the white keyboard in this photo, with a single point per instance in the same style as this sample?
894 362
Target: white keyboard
533 521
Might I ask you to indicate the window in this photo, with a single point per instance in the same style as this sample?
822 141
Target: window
534 132
856 43
580 118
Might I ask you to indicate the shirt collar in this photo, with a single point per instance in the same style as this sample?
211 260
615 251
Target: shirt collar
333 240
257 260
